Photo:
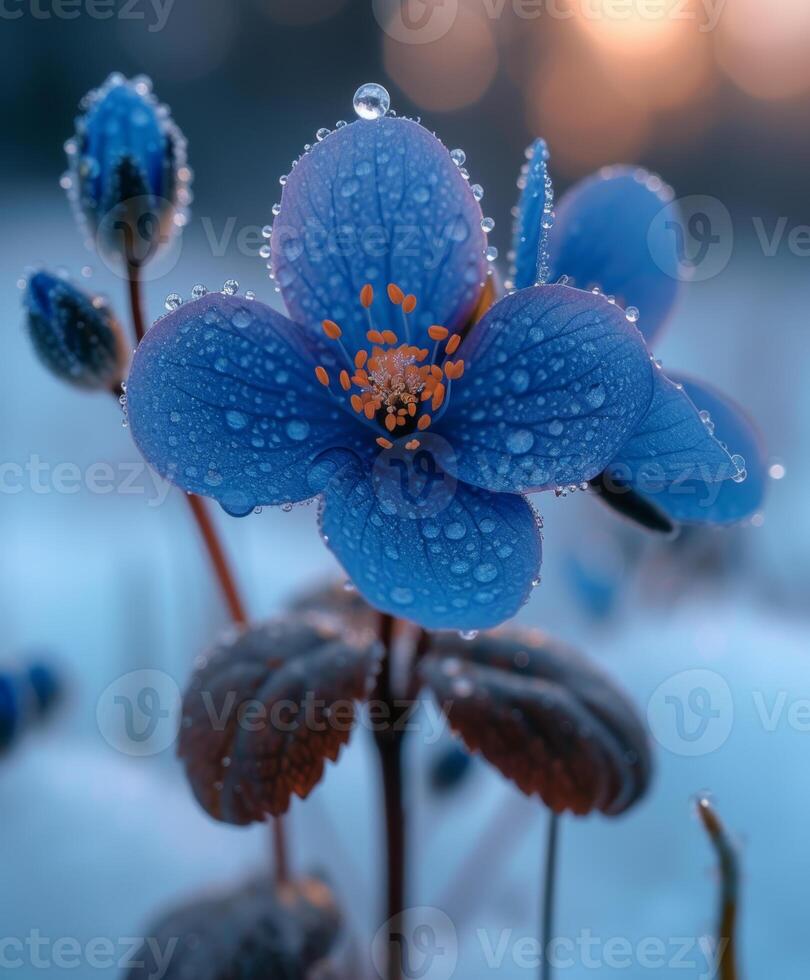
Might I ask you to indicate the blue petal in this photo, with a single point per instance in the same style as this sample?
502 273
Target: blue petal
378 202
223 401
121 125
556 381
75 336
671 444
533 219
609 232
695 501
452 557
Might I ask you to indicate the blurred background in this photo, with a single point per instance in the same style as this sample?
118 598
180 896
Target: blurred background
714 95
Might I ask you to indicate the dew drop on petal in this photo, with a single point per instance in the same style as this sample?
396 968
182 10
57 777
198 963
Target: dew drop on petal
230 287
458 156
173 301
198 291
371 101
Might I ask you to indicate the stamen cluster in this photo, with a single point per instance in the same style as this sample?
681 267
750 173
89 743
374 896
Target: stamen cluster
394 383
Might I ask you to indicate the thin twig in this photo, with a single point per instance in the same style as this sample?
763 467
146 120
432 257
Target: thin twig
729 891
549 889
219 561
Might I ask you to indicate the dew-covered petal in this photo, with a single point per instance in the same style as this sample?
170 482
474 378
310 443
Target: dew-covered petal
672 443
610 232
556 381
533 220
697 501
422 547
223 401
378 202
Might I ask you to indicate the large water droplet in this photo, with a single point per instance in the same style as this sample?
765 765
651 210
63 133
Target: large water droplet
173 301
298 429
371 101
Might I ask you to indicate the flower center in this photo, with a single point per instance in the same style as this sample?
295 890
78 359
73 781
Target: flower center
396 384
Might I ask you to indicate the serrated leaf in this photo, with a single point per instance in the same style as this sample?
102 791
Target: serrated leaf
266 710
545 716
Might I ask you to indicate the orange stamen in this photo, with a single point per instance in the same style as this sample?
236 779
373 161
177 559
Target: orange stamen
332 330
390 422
452 344
389 336
395 294
385 443
423 422
437 333
375 337
454 370
345 383
357 403
409 303
413 444
360 358
367 295
438 397
322 376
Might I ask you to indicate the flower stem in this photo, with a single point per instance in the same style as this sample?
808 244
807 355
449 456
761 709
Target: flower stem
549 888
219 561
218 558
135 303
389 746
729 871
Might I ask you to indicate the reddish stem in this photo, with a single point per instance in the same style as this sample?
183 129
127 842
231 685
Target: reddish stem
216 554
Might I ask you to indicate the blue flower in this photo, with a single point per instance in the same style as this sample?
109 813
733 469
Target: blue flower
694 457
127 177
420 420
74 334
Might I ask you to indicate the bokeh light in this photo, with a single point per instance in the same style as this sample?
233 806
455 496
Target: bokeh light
450 73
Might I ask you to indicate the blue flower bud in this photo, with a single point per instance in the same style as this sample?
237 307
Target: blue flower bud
127 177
74 334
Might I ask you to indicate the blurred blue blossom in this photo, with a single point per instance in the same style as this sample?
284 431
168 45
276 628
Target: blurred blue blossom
127 176
694 457
28 694
420 419
74 334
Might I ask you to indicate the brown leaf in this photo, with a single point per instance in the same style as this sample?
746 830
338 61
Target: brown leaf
334 599
264 712
255 932
545 716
